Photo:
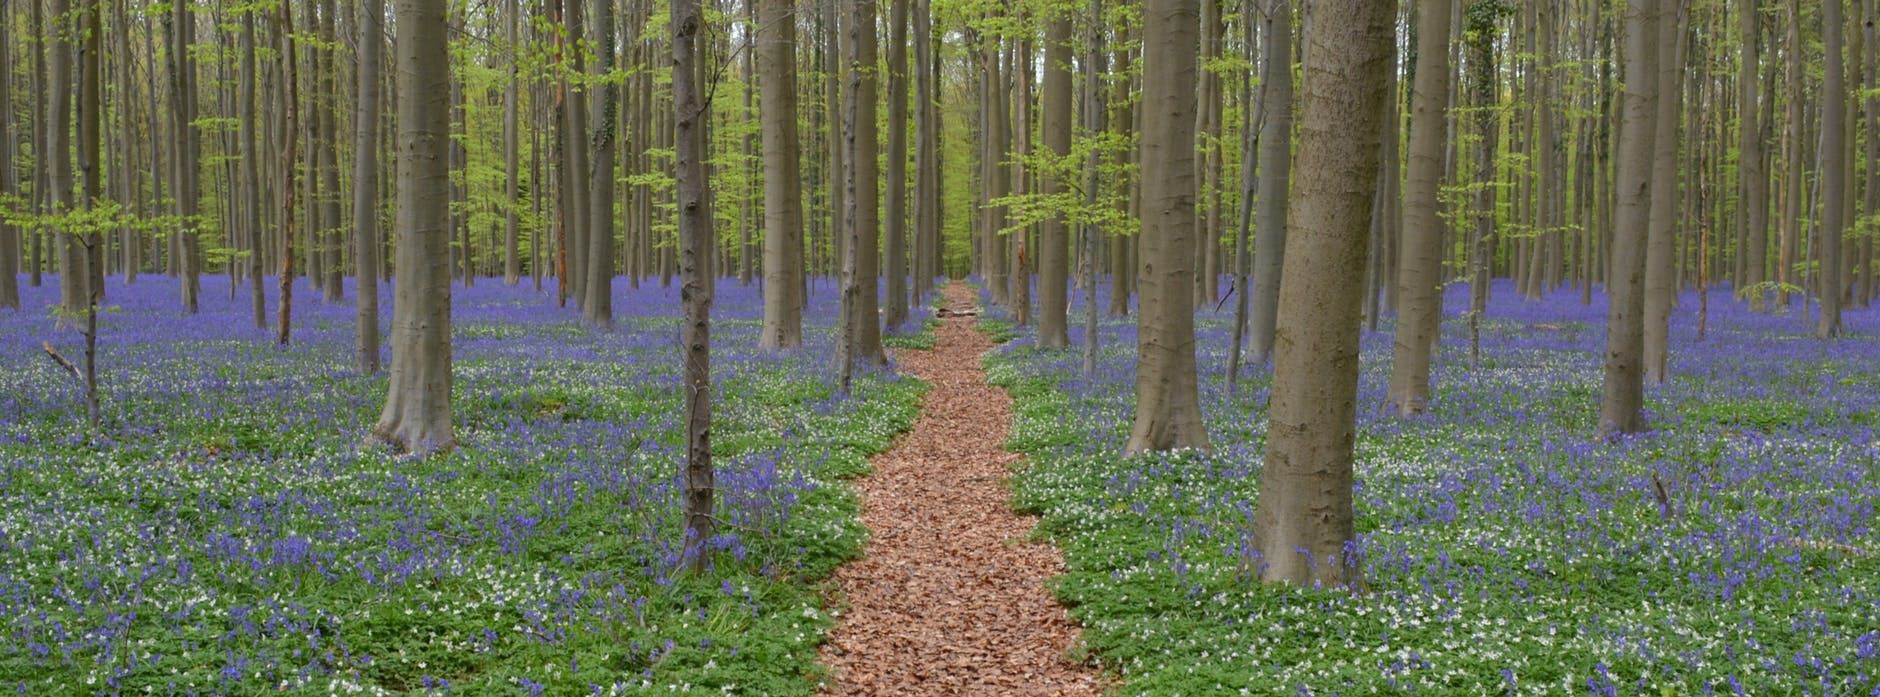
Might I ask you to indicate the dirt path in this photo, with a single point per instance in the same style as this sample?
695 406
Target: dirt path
948 597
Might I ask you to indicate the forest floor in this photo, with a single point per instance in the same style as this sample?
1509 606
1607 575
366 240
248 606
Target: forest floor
949 596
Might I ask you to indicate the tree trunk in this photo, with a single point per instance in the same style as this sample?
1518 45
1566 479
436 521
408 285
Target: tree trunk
1661 271
926 146
864 190
1053 237
1834 172
1419 274
694 233
9 235
1303 525
894 231
598 308
328 233
417 415
783 195
288 106
1621 406
1753 209
366 186
72 275
1168 405
1269 241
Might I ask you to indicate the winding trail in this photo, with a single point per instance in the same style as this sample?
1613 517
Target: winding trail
948 597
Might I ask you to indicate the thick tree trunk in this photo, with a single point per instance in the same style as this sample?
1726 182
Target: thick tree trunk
1834 172
1303 525
783 195
1419 274
1168 405
1053 235
366 187
417 415
1269 241
694 233
999 177
512 260
1661 271
1621 406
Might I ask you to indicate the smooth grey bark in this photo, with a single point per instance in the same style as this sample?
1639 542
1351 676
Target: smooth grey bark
598 307
1095 113
1053 233
58 115
417 414
329 235
694 234
183 117
1253 118
1269 242
1621 405
894 205
1833 172
1420 261
1168 405
366 186
1753 182
251 172
927 250
783 190
1303 525
512 260
863 315
9 235
1661 270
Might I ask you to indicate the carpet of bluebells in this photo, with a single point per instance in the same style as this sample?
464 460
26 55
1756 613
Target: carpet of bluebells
227 533
1504 549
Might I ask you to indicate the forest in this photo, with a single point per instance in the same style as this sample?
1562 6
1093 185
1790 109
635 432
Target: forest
949 347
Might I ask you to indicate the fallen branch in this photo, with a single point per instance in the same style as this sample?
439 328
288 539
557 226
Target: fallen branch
56 358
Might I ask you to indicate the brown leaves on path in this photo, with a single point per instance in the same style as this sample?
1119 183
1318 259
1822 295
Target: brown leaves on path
948 597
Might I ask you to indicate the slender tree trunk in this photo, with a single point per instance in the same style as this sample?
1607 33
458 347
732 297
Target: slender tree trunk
1834 179
694 233
864 191
417 415
783 196
598 308
327 106
926 146
1053 233
366 186
999 178
1168 407
288 106
1095 110
1792 175
1482 33
1122 272
1661 272
894 206
1304 524
1251 125
1621 407
1269 242
1753 211
9 235
72 274
1419 274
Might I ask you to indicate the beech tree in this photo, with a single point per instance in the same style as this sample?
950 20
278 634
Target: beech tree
1621 406
417 414
1269 242
783 197
1053 235
1303 523
1168 405
366 187
1419 273
694 231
